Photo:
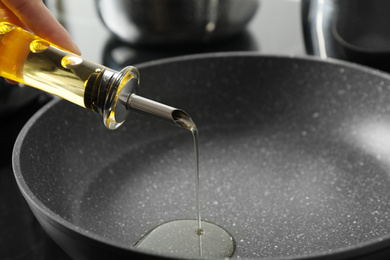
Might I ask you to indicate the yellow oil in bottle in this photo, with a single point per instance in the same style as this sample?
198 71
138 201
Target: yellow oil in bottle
28 59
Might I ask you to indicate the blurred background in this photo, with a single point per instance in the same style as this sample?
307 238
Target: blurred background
274 29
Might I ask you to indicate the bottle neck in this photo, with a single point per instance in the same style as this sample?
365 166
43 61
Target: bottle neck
107 92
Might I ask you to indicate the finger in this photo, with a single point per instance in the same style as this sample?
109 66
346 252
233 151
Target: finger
9 16
35 15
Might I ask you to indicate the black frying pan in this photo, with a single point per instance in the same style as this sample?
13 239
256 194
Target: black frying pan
294 154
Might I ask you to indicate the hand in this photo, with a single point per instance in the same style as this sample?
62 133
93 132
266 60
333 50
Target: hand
33 15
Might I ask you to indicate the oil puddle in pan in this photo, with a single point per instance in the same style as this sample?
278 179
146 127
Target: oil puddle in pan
182 238
190 238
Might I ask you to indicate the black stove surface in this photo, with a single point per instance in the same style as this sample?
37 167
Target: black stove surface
21 236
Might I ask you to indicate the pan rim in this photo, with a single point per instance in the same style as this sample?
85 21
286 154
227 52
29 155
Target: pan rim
366 248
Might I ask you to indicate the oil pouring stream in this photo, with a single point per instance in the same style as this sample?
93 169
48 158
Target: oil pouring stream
189 238
30 60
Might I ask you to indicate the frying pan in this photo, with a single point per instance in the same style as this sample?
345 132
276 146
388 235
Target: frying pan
294 161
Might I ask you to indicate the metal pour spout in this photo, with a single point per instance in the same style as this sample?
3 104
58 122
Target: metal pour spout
158 110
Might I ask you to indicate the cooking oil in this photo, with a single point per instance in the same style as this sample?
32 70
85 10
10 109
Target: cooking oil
180 238
35 62
185 121
190 238
28 59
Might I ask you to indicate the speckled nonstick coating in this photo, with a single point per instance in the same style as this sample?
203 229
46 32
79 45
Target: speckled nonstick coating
294 160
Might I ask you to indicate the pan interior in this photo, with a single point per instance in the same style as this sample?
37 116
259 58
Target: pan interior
293 157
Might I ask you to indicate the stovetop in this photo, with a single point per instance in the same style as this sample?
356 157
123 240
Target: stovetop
276 29
21 236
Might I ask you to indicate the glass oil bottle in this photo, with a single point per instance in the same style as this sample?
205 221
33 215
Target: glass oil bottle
28 59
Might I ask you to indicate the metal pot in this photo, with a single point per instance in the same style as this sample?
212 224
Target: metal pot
353 30
175 21
293 159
